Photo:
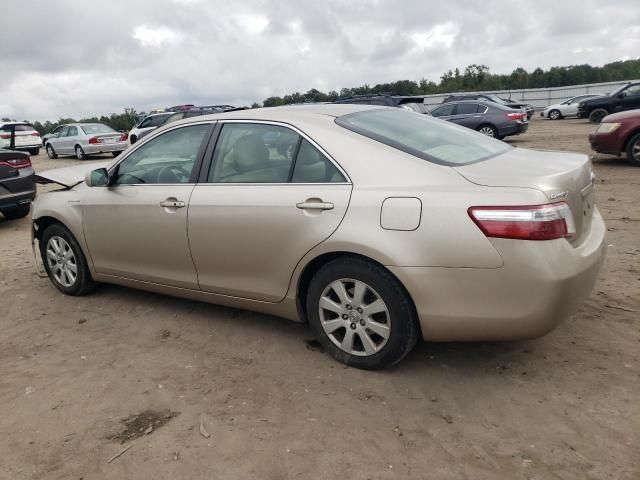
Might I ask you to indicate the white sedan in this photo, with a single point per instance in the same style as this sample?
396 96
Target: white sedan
568 108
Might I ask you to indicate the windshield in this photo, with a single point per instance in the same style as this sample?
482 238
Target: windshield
96 128
425 137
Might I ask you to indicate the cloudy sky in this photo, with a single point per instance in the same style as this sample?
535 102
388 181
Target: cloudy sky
67 58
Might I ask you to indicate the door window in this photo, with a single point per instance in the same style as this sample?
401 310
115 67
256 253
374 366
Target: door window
467 108
444 110
633 91
63 132
254 153
168 158
313 167
73 131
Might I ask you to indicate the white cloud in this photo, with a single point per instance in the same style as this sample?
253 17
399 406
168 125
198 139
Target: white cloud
155 36
439 36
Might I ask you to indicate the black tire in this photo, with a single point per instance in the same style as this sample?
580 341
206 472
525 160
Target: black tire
15 212
80 155
115 154
34 151
133 139
403 333
597 115
555 114
83 283
633 150
485 128
51 153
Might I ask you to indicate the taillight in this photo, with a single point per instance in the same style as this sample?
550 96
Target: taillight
35 134
94 140
531 222
123 137
4 136
515 116
21 162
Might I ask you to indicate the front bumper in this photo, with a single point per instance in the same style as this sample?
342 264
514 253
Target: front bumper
540 284
91 149
606 142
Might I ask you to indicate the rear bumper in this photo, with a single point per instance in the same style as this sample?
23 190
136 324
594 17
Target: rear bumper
91 149
606 143
540 284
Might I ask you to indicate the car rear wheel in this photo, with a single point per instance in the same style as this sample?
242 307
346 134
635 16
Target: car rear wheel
34 151
555 115
361 314
597 115
64 261
133 139
18 211
115 154
633 150
51 152
80 155
488 130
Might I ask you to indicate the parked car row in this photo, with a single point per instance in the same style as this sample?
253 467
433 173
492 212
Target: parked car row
568 108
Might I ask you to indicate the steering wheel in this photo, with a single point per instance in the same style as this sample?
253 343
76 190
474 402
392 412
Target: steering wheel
173 174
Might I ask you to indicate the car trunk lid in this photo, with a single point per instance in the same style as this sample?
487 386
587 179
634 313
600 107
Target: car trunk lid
561 176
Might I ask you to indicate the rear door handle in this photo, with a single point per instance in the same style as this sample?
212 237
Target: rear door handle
172 203
315 205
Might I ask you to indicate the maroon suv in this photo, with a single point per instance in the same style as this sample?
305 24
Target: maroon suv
619 133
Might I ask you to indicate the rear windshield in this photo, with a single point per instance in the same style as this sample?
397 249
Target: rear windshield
425 137
18 128
155 120
97 128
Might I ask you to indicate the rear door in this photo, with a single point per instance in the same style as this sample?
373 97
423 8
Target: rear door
269 197
466 114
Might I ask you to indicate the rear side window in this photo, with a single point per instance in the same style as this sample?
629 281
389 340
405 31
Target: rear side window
96 129
313 167
19 128
467 108
443 110
73 131
423 136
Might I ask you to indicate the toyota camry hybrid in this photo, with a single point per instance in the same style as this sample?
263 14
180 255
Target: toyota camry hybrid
376 225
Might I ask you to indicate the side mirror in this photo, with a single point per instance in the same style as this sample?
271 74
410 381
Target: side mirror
621 95
97 178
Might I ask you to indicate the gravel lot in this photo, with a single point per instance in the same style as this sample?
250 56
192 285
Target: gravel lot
83 378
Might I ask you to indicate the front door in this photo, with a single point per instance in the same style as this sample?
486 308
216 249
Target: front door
270 197
628 99
137 227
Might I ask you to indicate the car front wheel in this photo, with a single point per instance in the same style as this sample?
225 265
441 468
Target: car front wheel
64 261
51 153
633 150
361 314
597 115
555 115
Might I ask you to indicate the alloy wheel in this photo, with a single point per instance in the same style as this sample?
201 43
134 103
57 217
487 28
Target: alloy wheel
354 317
635 151
62 261
50 152
487 131
554 115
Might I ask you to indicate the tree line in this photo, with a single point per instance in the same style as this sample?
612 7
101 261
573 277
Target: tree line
472 78
477 78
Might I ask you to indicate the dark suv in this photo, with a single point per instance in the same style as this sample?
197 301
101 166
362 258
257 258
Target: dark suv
415 104
17 186
490 97
624 98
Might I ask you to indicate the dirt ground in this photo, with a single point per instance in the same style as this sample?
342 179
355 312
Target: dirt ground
81 379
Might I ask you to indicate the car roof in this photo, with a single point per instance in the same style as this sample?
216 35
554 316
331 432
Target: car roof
306 112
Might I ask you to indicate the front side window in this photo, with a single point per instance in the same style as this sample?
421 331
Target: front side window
64 132
632 91
253 153
154 121
423 136
167 158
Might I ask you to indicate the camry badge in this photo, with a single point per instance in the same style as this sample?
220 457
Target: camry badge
558 195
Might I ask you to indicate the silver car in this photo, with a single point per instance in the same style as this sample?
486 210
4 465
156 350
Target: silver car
82 139
376 225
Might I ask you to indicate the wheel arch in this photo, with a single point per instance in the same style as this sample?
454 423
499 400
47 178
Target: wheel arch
316 263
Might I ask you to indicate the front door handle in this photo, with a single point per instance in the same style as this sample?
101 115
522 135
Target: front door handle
172 203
